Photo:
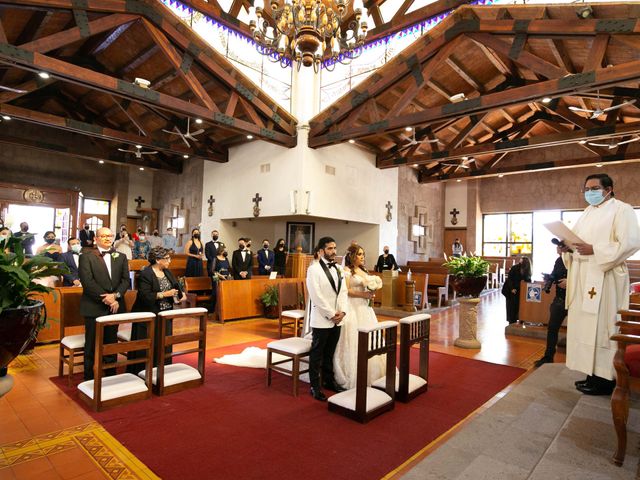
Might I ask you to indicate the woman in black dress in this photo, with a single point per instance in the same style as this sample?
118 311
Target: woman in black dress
221 271
158 290
194 250
280 255
511 288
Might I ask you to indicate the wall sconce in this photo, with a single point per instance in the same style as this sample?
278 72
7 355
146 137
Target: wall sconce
308 211
293 201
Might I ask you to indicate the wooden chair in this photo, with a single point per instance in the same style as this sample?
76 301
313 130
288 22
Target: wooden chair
364 403
178 376
201 286
290 306
106 392
293 352
124 334
71 351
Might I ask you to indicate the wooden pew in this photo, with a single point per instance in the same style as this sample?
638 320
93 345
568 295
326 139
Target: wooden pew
422 285
201 287
439 287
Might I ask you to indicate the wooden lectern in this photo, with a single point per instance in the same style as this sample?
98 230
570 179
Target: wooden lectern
389 288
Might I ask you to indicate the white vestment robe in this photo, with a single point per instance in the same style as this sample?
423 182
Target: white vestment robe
598 285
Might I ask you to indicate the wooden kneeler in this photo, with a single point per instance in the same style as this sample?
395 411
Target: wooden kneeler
364 403
106 392
413 329
176 377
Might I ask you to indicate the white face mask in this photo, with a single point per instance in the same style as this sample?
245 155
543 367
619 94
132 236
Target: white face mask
3 238
76 248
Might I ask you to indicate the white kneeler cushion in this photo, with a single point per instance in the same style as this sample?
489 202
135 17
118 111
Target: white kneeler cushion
415 382
73 341
292 345
293 313
173 374
115 387
375 398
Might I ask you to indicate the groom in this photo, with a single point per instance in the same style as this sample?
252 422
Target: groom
328 295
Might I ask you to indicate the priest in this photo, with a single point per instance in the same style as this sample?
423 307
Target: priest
598 282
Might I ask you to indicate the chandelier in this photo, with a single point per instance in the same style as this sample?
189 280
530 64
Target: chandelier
304 30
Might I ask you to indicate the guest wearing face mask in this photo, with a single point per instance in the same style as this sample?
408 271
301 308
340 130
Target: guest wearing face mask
194 250
50 248
266 259
72 259
220 270
241 261
124 244
155 240
280 257
169 240
141 247
27 243
386 261
87 237
5 234
211 250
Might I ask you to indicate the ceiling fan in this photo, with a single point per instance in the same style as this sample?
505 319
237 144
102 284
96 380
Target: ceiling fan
14 90
599 111
138 151
464 164
613 144
185 135
413 141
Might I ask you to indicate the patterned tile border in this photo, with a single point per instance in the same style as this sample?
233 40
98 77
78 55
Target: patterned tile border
112 458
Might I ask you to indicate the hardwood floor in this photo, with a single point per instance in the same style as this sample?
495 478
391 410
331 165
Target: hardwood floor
44 434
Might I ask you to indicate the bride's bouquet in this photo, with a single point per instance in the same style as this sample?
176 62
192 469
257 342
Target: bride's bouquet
373 283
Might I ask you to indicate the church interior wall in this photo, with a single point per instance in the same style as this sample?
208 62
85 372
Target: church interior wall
140 184
554 189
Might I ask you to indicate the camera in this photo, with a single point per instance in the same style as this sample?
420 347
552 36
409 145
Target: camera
549 281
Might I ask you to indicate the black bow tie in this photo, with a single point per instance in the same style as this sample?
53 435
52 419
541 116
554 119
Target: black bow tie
106 252
331 264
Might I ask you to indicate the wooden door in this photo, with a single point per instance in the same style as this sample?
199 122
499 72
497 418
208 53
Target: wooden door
450 234
95 221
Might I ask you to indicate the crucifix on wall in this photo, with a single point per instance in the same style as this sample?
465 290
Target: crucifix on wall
139 201
211 201
388 206
256 207
454 218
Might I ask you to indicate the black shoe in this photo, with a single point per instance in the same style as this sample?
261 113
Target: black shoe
318 395
595 390
542 361
584 382
334 387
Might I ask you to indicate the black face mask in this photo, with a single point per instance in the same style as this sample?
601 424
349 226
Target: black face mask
386 251
241 247
155 234
86 228
215 237
49 240
265 246
224 254
196 235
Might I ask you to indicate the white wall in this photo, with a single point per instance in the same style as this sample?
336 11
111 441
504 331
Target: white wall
455 196
140 183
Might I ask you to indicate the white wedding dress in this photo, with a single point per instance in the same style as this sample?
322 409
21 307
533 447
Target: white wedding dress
345 360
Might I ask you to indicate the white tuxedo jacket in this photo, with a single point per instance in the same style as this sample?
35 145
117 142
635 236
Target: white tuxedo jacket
325 303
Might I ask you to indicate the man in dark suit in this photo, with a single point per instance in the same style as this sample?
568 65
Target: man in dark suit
72 259
87 237
241 261
104 274
27 244
211 250
266 258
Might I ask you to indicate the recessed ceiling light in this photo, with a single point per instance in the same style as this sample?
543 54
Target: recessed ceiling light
465 158
141 168
138 146
101 162
458 180
198 121
44 75
408 129
599 165
249 137
185 156
415 164
582 142
546 100
6 117
501 175
352 141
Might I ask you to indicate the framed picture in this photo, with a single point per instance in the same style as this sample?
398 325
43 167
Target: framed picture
417 300
301 234
534 293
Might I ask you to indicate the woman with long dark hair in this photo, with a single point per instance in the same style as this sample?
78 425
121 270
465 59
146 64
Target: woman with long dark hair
280 254
194 250
511 288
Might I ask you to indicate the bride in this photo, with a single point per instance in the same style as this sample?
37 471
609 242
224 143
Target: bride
359 314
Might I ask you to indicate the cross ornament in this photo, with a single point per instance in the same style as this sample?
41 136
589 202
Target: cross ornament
256 208
454 218
211 201
139 201
388 206
592 293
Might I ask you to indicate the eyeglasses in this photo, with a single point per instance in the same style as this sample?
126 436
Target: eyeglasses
591 189
105 236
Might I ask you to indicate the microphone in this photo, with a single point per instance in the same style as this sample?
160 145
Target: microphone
560 243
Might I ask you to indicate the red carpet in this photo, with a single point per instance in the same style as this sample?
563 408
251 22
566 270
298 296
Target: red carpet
234 427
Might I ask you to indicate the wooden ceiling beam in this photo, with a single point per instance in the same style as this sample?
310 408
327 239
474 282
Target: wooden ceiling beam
109 39
107 84
142 57
542 141
123 106
560 54
474 120
27 87
606 77
597 52
466 76
182 64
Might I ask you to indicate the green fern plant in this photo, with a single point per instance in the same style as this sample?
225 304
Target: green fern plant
467 266
270 296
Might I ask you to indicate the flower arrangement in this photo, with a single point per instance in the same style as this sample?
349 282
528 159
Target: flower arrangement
373 283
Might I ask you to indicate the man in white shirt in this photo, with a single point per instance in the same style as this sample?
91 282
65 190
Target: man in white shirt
241 261
328 299
155 240
169 240
72 259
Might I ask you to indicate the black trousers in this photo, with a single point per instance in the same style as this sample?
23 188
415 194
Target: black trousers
513 307
323 346
110 336
557 314
139 331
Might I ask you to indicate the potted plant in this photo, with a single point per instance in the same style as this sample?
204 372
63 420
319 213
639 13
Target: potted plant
21 316
269 300
469 274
